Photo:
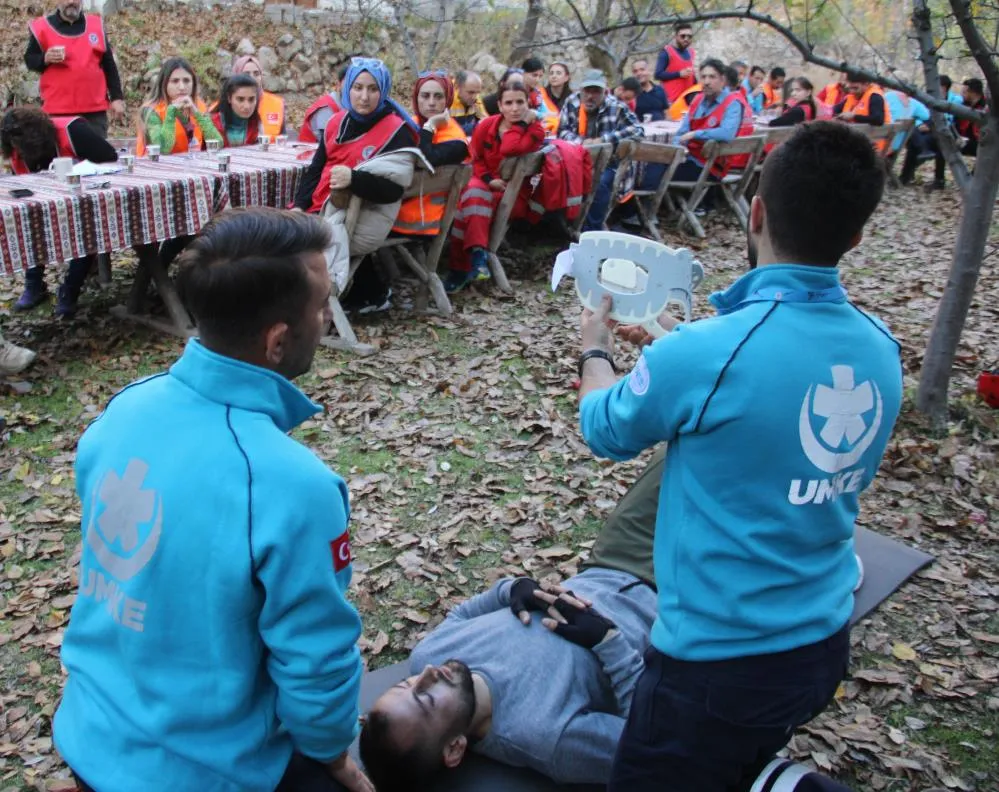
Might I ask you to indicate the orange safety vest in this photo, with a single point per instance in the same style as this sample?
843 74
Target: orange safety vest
78 84
683 102
181 142
771 97
271 112
674 63
832 94
862 106
550 121
422 214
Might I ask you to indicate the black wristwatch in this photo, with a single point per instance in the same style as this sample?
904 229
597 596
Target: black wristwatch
589 354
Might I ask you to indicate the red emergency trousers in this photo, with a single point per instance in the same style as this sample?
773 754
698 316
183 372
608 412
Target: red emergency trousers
78 84
478 201
710 121
305 133
351 153
252 130
63 143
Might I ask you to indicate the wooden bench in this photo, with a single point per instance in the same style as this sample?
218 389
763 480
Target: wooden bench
649 153
448 179
513 171
733 185
601 155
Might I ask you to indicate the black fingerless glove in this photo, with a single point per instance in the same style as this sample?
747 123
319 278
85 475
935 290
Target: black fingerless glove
584 628
522 596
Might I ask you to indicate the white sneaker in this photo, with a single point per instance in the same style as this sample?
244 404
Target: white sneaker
860 573
14 359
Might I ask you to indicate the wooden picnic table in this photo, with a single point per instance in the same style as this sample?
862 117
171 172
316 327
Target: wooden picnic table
172 198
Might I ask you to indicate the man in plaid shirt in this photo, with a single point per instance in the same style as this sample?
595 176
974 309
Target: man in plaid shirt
594 116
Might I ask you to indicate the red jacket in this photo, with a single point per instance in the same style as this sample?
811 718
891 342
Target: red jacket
252 130
566 179
489 150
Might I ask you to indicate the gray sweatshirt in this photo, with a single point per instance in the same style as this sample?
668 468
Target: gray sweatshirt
557 708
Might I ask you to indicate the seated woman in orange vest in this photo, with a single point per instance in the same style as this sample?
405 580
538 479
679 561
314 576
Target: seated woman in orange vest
442 142
370 123
30 140
319 113
802 106
514 132
271 107
174 116
236 118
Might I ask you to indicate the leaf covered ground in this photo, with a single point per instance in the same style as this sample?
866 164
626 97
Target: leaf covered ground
460 444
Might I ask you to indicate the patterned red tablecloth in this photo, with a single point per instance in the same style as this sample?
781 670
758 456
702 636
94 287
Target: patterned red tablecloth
161 200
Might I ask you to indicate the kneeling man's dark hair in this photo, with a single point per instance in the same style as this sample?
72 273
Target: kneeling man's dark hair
390 768
245 272
819 188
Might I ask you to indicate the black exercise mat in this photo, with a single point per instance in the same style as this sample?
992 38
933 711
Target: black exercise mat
887 564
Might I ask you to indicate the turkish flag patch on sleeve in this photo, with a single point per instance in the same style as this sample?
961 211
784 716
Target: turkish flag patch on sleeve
340 548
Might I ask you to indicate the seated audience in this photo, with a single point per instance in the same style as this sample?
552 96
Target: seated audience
973 96
741 69
30 140
801 106
627 91
491 101
594 116
369 123
534 73
833 93
271 106
864 104
903 108
773 89
467 108
174 117
650 103
558 89
321 111
236 116
752 88
563 713
442 142
514 132
13 360
212 644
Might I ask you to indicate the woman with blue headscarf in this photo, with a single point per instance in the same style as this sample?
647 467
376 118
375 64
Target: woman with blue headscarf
369 123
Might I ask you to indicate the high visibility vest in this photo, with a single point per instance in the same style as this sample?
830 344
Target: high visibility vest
674 63
771 96
181 142
271 112
862 106
252 130
64 145
77 85
710 121
832 94
422 214
682 103
550 121
351 153
305 134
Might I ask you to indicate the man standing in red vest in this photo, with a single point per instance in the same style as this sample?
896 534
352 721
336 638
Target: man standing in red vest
675 66
79 76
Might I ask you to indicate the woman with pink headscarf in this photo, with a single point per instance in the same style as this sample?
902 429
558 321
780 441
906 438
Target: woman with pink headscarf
271 106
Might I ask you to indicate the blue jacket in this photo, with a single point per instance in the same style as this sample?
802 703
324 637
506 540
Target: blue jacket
777 412
211 635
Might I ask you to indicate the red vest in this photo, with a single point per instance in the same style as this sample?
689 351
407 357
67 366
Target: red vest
78 84
252 130
351 153
711 121
675 63
305 134
64 145
566 179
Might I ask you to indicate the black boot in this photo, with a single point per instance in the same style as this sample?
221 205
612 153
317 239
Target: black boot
69 291
35 290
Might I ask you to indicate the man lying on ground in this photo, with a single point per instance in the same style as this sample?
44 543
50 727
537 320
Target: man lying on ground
553 696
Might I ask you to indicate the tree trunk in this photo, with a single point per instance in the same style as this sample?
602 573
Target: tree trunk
528 32
922 23
976 219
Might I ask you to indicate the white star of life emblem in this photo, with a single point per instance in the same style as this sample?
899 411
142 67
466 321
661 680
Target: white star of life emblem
843 407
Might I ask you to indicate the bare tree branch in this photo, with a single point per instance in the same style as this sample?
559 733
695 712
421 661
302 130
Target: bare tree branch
807 52
980 51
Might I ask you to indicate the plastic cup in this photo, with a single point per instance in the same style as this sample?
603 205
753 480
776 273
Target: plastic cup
154 153
128 160
224 158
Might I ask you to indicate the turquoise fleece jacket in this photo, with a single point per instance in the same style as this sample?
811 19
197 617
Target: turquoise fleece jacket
211 634
777 412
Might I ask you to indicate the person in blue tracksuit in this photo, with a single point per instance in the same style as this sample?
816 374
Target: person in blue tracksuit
211 645
776 413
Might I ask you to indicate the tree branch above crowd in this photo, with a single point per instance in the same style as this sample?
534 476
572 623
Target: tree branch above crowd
806 49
